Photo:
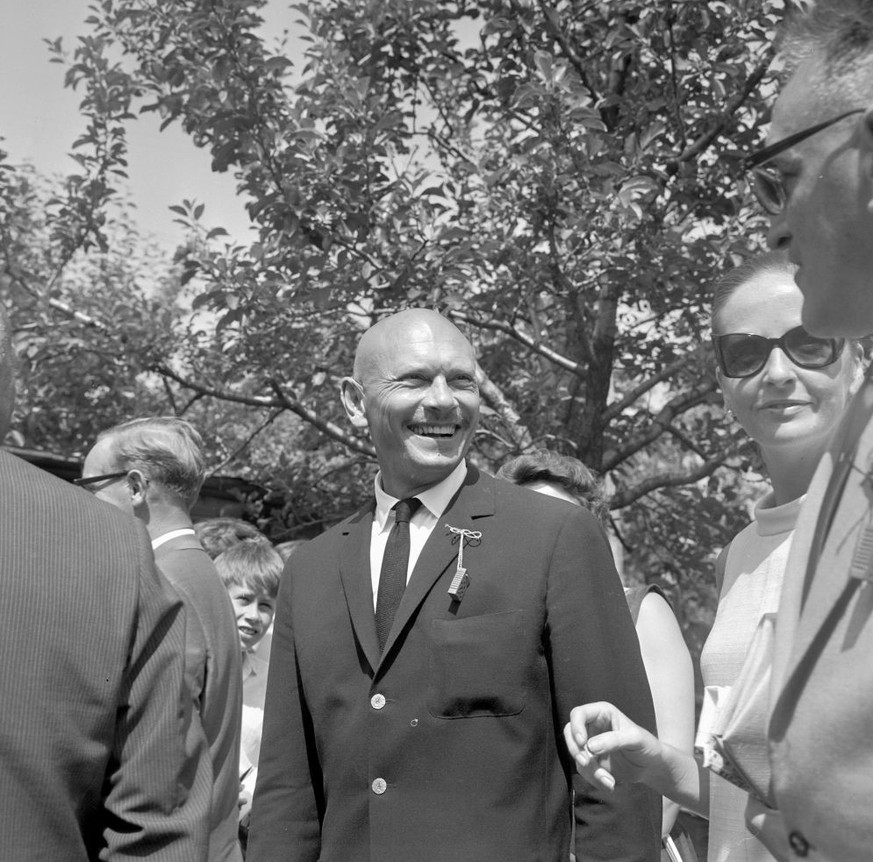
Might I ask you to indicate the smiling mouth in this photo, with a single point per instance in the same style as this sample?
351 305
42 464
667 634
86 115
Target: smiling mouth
246 630
434 430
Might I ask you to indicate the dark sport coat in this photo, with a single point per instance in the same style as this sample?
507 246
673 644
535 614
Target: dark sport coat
449 745
98 754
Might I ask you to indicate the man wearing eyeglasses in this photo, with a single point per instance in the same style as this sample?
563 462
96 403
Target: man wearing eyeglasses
815 179
152 469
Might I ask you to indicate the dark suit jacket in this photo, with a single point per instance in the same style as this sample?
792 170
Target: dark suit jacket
213 665
449 746
94 714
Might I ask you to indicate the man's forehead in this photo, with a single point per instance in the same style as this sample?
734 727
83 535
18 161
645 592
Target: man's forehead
414 350
799 104
100 455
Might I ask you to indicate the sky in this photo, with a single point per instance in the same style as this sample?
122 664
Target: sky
39 121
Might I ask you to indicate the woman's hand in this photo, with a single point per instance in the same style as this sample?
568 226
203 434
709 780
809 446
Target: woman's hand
607 746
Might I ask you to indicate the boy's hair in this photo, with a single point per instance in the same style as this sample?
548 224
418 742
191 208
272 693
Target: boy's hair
218 534
252 564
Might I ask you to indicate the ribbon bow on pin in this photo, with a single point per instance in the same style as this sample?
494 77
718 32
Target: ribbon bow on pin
461 580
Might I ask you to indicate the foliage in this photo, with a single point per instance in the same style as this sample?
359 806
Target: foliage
563 179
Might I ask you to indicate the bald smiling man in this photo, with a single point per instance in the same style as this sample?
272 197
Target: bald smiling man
429 648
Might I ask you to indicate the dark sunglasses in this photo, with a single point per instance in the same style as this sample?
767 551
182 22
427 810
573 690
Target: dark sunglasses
85 482
767 183
741 354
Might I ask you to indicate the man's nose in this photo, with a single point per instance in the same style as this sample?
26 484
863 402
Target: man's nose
440 395
778 235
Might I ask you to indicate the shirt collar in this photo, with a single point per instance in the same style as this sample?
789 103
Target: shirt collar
173 534
435 499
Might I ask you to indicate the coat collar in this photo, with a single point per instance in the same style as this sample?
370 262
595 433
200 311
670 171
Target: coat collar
473 502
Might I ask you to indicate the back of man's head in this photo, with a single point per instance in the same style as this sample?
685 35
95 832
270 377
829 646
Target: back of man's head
166 450
838 34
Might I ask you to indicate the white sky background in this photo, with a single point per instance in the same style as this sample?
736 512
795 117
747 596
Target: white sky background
39 120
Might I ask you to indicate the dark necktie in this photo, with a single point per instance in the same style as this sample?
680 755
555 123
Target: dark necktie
392 579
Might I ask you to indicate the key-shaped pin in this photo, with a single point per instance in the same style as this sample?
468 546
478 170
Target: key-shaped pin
461 580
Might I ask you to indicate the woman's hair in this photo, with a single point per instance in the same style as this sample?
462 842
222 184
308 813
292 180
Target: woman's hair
775 262
252 564
562 470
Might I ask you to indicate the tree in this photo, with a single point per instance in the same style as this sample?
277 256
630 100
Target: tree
564 179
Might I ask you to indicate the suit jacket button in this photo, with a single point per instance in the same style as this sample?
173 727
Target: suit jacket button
799 844
377 701
380 785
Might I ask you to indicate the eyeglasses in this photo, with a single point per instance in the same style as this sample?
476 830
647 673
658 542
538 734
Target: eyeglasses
767 183
85 482
740 354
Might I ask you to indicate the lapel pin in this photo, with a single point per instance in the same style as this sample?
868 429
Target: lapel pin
461 580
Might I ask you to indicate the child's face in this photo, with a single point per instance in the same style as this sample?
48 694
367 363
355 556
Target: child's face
254 613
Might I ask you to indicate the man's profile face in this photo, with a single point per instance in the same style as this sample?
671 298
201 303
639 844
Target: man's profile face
421 403
98 462
827 224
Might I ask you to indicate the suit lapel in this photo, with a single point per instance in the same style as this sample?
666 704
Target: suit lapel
829 583
357 584
473 502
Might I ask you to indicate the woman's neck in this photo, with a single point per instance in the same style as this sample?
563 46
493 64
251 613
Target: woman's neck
790 477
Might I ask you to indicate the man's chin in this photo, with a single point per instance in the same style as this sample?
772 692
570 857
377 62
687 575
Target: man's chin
834 319
831 311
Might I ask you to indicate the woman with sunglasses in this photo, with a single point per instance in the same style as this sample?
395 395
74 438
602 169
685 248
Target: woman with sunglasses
788 390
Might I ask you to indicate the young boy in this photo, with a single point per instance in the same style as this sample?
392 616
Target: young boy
250 571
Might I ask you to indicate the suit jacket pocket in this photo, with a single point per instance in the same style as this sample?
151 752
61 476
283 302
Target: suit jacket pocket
477 666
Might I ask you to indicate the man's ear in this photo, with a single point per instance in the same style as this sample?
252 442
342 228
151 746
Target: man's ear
137 485
352 395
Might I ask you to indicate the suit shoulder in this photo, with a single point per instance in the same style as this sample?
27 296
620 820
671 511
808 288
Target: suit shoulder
327 542
535 506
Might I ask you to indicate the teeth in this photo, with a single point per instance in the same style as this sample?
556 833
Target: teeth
441 430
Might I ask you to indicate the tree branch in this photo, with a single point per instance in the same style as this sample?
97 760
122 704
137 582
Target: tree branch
659 425
526 340
327 427
666 480
632 395
282 401
569 51
494 398
695 148
248 441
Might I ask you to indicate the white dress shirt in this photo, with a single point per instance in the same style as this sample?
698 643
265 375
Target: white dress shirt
433 503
